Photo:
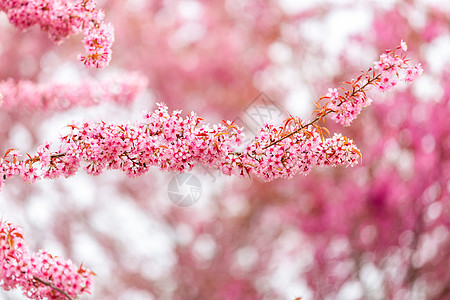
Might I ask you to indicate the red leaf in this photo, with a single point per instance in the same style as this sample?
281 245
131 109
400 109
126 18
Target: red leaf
7 152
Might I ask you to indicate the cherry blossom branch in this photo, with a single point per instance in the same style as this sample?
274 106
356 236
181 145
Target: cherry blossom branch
29 96
39 275
345 108
61 19
171 142
324 112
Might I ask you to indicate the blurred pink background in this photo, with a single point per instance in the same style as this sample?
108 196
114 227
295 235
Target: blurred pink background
376 231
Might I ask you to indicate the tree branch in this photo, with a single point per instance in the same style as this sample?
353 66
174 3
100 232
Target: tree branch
49 284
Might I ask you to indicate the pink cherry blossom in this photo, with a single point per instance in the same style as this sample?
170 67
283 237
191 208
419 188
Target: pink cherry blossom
392 67
61 19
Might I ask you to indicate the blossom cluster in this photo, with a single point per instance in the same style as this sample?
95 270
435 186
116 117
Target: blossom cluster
39 275
391 68
30 96
345 111
60 19
171 142
282 153
394 67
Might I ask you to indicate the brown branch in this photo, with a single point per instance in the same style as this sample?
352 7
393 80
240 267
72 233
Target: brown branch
353 93
294 132
49 284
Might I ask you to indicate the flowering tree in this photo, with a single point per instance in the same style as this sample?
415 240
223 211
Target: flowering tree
177 143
